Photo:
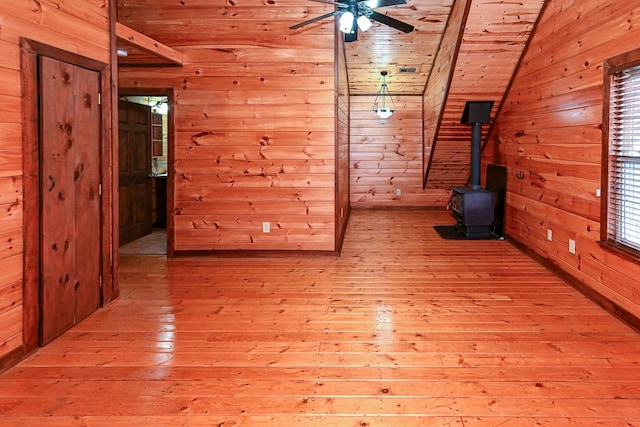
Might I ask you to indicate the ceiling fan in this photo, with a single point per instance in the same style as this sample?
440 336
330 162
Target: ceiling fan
356 14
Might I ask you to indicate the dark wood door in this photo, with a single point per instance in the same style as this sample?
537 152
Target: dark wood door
70 254
134 130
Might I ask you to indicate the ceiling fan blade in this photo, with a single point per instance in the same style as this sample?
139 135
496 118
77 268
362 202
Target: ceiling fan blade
312 20
383 3
331 2
392 22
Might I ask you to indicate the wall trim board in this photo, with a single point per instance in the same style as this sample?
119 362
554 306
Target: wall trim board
401 208
12 358
608 305
232 253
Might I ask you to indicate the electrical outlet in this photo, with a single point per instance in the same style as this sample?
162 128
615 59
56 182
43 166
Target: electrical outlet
572 246
398 192
266 227
598 192
549 234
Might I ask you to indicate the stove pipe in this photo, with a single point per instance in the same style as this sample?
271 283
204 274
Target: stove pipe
476 136
475 114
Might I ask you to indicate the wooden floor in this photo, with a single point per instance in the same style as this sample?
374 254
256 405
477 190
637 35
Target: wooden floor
151 244
404 329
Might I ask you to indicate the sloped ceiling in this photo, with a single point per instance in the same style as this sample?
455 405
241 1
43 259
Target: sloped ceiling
487 54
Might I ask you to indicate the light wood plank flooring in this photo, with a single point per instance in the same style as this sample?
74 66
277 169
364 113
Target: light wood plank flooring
404 329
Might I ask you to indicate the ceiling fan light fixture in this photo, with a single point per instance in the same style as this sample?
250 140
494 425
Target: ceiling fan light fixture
380 106
364 23
346 22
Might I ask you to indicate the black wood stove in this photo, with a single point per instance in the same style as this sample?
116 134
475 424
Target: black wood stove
472 207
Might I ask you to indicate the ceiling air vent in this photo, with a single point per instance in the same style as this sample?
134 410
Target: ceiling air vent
407 70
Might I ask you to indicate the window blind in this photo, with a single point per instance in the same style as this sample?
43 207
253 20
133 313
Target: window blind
623 211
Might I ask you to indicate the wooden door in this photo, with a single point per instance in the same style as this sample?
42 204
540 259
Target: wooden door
134 130
70 254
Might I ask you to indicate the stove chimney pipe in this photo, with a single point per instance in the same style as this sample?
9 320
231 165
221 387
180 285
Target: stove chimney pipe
475 114
476 136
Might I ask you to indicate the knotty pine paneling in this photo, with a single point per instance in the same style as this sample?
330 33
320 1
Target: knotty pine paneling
549 134
487 57
386 156
436 90
60 25
255 121
342 145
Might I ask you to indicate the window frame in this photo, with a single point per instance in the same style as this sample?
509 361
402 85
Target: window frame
612 66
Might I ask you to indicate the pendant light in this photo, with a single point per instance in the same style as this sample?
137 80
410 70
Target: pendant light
380 104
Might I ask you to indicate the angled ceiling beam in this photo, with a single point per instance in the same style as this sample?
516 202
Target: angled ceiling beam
439 82
147 44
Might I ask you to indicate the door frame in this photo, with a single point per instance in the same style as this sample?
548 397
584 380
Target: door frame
30 50
169 93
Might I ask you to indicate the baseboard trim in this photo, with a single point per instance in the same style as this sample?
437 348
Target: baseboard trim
610 306
244 253
12 358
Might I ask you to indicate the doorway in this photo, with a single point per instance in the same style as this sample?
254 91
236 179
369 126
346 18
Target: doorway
134 171
152 156
67 225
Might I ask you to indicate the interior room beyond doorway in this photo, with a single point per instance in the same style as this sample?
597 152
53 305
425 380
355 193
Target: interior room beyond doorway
143 171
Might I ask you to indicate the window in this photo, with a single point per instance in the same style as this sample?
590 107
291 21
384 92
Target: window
620 226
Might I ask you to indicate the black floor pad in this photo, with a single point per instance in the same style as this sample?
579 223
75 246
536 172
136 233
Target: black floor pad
451 232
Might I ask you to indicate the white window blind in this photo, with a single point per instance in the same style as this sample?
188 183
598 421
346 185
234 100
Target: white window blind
623 212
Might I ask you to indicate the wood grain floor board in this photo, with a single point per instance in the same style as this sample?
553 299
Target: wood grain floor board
404 329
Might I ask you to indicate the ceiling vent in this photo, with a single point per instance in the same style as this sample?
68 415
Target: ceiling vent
408 70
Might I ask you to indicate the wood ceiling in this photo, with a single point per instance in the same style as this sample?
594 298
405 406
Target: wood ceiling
380 48
383 48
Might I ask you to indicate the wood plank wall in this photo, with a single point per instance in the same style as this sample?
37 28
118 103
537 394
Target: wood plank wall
386 156
255 121
477 66
549 133
342 140
57 24
436 91
495 34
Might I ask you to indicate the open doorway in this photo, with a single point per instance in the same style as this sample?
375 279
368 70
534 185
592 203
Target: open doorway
145 152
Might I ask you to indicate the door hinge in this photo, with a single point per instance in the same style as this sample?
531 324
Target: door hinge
99 98
100 279
99 189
